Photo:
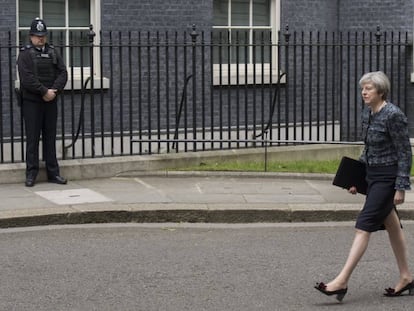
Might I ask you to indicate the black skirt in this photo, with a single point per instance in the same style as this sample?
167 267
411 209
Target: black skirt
379 201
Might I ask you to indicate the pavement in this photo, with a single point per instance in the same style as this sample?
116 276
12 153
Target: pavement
165 196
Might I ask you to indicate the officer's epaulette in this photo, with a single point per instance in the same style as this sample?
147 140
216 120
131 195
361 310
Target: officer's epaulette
25 47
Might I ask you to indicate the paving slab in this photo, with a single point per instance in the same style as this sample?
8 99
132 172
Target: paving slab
183 197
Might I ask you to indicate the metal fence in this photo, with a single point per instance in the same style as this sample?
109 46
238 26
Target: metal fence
154 92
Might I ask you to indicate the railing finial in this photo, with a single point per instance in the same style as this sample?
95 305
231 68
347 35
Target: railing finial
91 34
194 34
287 33
378 33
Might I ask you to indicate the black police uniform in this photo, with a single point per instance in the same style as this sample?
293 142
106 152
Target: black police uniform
40 70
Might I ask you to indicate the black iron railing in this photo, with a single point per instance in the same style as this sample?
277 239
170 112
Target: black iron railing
151 92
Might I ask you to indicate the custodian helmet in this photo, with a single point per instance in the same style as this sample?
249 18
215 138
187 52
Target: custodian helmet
38 27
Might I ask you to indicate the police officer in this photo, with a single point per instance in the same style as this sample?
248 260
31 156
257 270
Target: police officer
42 76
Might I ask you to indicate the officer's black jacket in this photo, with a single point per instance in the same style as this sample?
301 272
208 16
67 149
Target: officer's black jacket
30 84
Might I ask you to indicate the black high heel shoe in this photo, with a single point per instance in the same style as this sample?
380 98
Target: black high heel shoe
340 293
390 292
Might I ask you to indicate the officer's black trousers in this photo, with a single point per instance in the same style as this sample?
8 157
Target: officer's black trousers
40 119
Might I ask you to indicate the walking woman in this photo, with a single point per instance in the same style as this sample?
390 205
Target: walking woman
387 155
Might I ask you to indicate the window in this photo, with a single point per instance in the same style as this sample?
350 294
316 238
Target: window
242 33
68 23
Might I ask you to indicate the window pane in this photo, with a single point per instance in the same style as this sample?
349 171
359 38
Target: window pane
79 49
220 12
262 40
54 13
239 46
24 37
220 46
56 37
240 13
261 12
79 12
28 11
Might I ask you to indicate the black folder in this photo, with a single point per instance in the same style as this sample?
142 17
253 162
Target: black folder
350 173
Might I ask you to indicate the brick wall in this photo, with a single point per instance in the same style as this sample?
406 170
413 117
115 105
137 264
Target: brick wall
8 15
348 15
161 15
309 15
396 15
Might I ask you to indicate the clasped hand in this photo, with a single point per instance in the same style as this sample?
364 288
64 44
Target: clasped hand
50 95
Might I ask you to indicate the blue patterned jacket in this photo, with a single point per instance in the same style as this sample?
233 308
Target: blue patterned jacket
387 142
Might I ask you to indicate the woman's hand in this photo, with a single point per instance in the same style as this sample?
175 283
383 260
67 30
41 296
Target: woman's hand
352 190
399 197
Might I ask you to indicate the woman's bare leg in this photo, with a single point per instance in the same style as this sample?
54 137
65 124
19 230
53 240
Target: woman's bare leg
399 246
358 249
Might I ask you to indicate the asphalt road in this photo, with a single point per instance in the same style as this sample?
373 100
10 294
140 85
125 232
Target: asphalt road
191 267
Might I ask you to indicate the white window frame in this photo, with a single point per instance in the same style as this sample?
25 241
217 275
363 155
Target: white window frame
221 73
95 19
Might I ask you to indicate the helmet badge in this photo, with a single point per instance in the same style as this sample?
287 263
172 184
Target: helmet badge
40 26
